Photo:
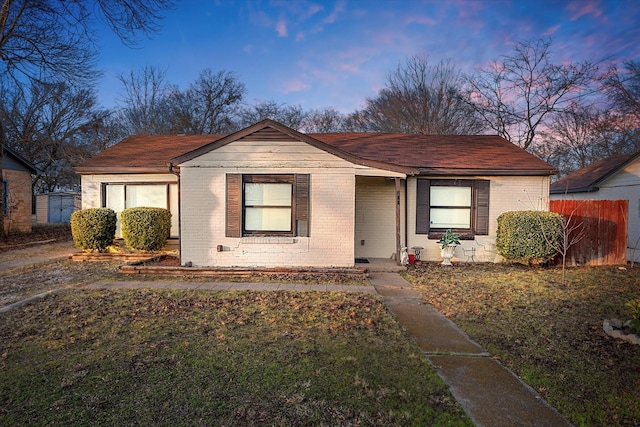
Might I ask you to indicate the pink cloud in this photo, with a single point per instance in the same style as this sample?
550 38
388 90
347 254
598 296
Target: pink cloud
337 10
295 86
281 28
551 31
349 68
580 8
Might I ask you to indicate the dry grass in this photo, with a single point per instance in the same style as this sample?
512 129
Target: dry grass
166 357
550 334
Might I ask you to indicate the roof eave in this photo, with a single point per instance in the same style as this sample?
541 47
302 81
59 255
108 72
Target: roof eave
590 189
120 170
492 172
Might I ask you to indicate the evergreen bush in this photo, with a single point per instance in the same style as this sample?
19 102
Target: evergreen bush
529 237
145 229
93 229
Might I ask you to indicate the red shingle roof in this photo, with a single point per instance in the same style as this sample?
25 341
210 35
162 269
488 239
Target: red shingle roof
471 154
415 154
588 178
144 153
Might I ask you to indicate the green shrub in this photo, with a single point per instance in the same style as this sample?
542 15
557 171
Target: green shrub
529 237
145 229
634 310
93 229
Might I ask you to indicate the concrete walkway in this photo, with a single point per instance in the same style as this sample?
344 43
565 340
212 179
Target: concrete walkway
490 394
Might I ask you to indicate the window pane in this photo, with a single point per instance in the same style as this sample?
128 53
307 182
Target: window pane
115 200
267 194
450 196
450 218
152 196
115 197
267 219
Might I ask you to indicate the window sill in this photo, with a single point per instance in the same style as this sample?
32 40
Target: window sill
464 235
268 240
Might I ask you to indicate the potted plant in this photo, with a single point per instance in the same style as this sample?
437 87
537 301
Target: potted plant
448 243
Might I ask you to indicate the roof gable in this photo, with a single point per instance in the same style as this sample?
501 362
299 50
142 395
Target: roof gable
268 130
14 161
590 177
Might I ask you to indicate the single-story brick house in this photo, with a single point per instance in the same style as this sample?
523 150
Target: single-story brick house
18 194
271 196
615 178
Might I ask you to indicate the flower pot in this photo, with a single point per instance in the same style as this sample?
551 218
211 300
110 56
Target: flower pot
447 254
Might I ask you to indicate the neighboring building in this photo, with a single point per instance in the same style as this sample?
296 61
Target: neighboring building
271 196
18 195
55 208
615 178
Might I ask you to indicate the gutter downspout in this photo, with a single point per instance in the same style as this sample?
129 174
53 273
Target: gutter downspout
177 174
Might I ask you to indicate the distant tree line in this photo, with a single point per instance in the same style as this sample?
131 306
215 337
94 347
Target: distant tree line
569 114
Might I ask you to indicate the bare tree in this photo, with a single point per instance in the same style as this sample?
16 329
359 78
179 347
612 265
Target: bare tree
571 233
209 106
581 135
54 41
419 98
323 121
518 93
45 125
623 89
145 104
568 142
291 116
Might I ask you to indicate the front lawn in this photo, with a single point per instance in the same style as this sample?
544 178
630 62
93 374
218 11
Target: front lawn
168 357
549 333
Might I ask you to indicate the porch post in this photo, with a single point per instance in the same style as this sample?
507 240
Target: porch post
397 180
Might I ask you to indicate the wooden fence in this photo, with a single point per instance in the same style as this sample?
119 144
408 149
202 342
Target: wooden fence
604 224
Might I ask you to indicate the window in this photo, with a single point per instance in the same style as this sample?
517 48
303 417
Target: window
156 195
267 205
459 204
449 207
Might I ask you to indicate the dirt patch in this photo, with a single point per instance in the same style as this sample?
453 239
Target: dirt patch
22 282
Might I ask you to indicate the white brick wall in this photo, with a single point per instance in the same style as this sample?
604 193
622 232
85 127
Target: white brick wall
331 224
507 193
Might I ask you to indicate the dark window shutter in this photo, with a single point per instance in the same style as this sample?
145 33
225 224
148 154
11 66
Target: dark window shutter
234 206
302 205
482 207
422 206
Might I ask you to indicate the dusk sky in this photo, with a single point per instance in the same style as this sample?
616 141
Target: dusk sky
319 54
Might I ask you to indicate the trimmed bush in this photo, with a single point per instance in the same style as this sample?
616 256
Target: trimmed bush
529 237
145 229
93 229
